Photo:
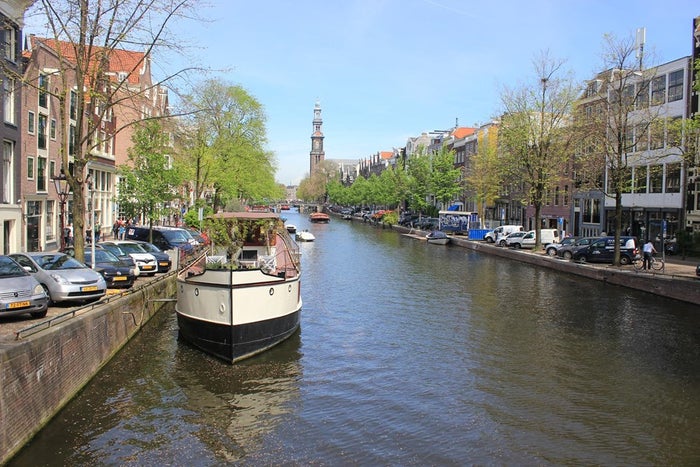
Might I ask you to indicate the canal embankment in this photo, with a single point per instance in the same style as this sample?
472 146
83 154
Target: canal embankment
46 364
678 281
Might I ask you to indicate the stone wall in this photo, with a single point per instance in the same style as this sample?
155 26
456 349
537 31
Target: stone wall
42 372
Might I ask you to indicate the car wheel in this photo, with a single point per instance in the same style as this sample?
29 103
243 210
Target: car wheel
51 302
551 251
38 314
566 255
489 240
582 259
624 260
516 246
503 243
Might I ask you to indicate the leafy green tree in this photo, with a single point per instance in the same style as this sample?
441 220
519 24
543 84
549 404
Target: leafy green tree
444 178
483 173
149 181
419 181
223 145
535 136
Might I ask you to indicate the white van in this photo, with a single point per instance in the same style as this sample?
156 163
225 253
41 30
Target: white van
501 232
546 236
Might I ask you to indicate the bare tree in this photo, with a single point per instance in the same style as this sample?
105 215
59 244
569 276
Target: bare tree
620 126
86 37
535 133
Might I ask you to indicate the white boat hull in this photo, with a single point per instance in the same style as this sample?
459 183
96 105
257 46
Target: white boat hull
235 322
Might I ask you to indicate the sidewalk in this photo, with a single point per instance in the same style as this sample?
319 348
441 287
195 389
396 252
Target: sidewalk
677 266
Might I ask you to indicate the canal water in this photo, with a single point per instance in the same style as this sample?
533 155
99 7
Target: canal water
408 354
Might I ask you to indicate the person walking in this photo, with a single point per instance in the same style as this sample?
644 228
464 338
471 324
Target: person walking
649 251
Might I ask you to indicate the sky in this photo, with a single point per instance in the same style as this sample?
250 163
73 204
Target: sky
387 70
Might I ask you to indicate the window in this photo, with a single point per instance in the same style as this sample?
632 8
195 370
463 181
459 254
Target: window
658 90
641 143
8 89
42 131
656 140
8 151
43 94
71 140
640 179
30 168
673 178
52 169
675 86
50 233
73 105
656 174
41 174
30 123
591 211
10 41
52 129
556 196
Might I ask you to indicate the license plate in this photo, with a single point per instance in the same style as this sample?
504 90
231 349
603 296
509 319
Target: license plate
89 288
163 264
147 267
119 278
18 305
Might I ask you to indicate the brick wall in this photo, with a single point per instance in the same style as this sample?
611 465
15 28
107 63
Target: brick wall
41 373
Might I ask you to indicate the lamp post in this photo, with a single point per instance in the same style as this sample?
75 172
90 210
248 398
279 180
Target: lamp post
88 180
60 182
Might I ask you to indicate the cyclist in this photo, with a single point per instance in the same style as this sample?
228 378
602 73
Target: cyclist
649 251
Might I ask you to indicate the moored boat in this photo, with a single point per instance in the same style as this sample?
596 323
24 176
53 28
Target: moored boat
245 296
319 217
305 236
291 228
438 237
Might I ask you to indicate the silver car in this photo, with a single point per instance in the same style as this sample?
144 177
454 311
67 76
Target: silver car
63 277
20 292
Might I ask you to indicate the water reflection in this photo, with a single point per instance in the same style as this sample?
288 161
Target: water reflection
410 354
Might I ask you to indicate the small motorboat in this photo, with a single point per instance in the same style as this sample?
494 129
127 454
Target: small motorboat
291 228
305 236
320 217
438 237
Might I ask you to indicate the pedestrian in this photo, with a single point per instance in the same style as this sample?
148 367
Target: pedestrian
649 251
98 230
115 228
122 230
70 235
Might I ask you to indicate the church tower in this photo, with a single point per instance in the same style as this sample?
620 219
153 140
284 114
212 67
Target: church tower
317 154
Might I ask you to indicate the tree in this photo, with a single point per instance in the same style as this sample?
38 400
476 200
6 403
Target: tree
314 187
223 145
86 37
483 172
535 132
444 177
419 181
149 181
617 107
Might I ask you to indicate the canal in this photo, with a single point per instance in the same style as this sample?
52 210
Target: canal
408 354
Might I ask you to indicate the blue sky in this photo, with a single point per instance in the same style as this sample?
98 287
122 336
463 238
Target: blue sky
385 70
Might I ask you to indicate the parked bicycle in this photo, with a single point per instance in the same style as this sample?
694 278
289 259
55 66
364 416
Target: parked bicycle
656 264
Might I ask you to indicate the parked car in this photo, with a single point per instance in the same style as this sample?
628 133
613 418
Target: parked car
511 238
567 251
165 239
697 270
146 262
552 248
201 237
546 236
501 232
63 277
116 251
20 292
163 259
602 250
115 271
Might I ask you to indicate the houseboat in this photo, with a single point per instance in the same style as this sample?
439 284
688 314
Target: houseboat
244 296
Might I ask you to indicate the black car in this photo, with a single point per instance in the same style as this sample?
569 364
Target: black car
602 250
163 259
117 273
165 239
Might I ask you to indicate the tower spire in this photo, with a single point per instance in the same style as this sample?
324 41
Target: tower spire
317 153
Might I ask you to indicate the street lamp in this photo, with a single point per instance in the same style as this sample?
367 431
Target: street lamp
60 182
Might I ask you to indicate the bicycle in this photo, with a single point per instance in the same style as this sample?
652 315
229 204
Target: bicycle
656 264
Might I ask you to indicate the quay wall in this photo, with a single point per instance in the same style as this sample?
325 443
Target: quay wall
683 288
41 372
